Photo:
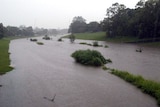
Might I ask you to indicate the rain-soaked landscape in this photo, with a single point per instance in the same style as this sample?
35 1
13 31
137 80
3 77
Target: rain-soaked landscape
47 76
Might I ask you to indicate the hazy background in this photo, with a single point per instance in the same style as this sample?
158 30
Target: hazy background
54 13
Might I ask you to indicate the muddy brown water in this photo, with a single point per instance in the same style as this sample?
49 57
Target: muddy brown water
43 71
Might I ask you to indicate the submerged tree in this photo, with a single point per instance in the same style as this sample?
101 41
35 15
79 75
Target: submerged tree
72 38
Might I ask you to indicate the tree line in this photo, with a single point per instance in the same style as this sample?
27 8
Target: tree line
142 22
15 31
28 31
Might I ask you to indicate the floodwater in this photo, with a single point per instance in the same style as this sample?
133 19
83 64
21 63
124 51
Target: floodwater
44 71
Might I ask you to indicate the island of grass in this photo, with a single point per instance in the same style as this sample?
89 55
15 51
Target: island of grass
4 56
147 86
90 57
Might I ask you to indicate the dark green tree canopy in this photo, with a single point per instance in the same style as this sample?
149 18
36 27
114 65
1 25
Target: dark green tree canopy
78 25
141 22
1 31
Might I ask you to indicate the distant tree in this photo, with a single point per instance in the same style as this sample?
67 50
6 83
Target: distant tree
12 31
93 27
28 31
78 25
1 31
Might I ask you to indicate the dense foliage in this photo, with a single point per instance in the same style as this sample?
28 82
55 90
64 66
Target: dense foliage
141 22
89 57
147 86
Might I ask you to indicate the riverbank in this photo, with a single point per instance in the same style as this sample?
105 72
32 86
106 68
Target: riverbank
101 36
4 56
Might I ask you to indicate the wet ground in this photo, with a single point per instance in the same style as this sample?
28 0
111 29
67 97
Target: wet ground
43 71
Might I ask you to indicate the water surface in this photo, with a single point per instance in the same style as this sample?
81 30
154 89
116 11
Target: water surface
45 70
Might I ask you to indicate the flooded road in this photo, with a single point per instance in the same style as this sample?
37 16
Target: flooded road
43 71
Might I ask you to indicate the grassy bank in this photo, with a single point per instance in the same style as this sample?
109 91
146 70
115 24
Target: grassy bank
100 36
147 86
4 56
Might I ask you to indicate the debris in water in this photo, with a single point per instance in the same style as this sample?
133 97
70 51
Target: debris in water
52 100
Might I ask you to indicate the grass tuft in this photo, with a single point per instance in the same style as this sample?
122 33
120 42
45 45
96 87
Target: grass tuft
40 43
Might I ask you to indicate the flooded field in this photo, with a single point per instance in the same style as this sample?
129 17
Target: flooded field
44 71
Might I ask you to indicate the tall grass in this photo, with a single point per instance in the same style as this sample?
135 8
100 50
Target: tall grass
4 56
147 86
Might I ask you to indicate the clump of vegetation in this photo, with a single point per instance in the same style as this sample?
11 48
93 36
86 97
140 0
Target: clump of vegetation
96 44
105 68
83 43
106 46
89 57
33 40
4 56
46 37
109 61
147 86
40 43
60 39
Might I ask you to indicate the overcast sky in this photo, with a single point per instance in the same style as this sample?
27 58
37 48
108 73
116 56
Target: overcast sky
54 13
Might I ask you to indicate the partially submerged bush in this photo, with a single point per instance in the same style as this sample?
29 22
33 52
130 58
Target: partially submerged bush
83 43
72 38
33 40
105 68
106 46
46 37
89 57
96 44
40 43
60 39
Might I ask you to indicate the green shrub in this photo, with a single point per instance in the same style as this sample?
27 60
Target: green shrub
106 46
147 86
83 43
60 39
89 57
95 44
40 43
105 68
